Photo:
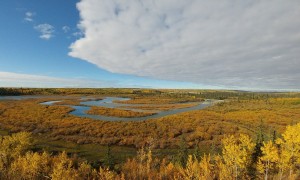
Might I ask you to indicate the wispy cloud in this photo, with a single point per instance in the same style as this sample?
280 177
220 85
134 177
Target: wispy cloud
46 31
29 16
78 34
66 29
10 79
233 44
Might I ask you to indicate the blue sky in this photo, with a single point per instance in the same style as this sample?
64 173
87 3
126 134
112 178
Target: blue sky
24 53
151 44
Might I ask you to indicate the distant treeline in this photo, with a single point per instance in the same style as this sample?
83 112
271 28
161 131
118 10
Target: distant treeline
172 93
61 91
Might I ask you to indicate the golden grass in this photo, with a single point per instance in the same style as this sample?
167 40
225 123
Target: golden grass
160 100
96 110
162 107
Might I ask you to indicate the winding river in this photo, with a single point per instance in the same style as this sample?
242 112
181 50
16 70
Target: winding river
109 102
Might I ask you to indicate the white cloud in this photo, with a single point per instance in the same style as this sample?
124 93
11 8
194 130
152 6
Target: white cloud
245 44
29 16
78 34
66 29
10 79
46 31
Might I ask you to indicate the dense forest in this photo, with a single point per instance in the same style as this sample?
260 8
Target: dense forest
240 158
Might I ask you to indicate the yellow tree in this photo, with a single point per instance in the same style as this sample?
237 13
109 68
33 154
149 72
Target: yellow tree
269 158
16 144
236 156
31 166
194 169
11 147
140 167
85 171
191 170
106 174
206 167
166 171
289 150
63 168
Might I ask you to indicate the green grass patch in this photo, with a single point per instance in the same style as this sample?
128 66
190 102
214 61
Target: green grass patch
3 132
90 152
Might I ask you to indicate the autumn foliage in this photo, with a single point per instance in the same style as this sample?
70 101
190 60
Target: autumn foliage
245 137
279 160
114 112
206 126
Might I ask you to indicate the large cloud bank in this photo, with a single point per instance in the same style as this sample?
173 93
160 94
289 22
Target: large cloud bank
234 44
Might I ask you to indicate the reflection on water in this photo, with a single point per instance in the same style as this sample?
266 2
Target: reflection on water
49 102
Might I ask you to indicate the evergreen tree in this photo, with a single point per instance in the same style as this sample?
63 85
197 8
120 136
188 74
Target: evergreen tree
182 154
260 138
109 160
197 152
274 136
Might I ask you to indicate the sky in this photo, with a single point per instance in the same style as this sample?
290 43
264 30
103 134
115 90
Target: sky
196 44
